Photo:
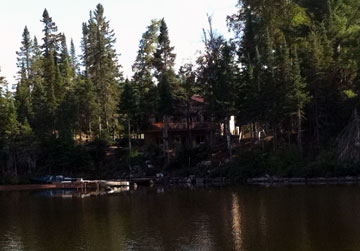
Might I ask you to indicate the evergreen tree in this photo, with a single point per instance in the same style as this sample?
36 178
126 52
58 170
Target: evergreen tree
52 80
8 126
38 99
36 64
127 106
188 88
23 101
50 36
87 109
100 60
24 54
217 76
299 96
23 91
164 60
64 59
73 58
143 79
85 49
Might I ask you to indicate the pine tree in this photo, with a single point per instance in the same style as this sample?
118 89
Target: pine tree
50 36
36 64
127 106
52 80
23 101
9 129
66 70
188 88
80 110
23 91
51 86
38 100
164 60
73 58
298 95
100 60
85 57
143 79
217 76
24 54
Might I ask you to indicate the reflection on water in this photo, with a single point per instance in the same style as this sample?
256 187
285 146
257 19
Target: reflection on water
236 217
245 218
78 193
13 242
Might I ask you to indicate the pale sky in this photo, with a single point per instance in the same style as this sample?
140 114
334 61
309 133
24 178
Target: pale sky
128 18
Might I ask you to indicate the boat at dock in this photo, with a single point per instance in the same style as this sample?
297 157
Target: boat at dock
49 179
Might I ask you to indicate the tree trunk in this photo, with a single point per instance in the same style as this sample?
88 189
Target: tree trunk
166 138
138 136
89 132
100 128
290 130
275 137
228 137
129 136
15 163
2 172
188 126
253 131
299 135
317 125
106 119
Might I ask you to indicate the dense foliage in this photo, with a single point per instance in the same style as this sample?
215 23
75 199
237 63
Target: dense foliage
290 70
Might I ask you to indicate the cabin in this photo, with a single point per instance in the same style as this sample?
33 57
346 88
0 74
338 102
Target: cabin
191 123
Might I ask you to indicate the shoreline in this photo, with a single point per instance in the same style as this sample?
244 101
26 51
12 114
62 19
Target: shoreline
201 182
273 181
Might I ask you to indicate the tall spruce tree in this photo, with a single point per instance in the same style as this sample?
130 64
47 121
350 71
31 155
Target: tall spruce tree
24 54
188 88
217 76
100 60
127 106
23 90
143 79
298 96
52 80
73 58
9 129
50 38
164 60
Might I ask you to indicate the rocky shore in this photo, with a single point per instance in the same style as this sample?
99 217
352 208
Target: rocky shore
274 180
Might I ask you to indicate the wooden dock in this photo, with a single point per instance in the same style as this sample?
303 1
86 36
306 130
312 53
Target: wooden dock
82 185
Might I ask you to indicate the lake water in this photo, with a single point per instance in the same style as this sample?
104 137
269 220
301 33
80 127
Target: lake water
243 218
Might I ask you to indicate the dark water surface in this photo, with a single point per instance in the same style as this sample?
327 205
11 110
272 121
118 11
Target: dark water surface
244 218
